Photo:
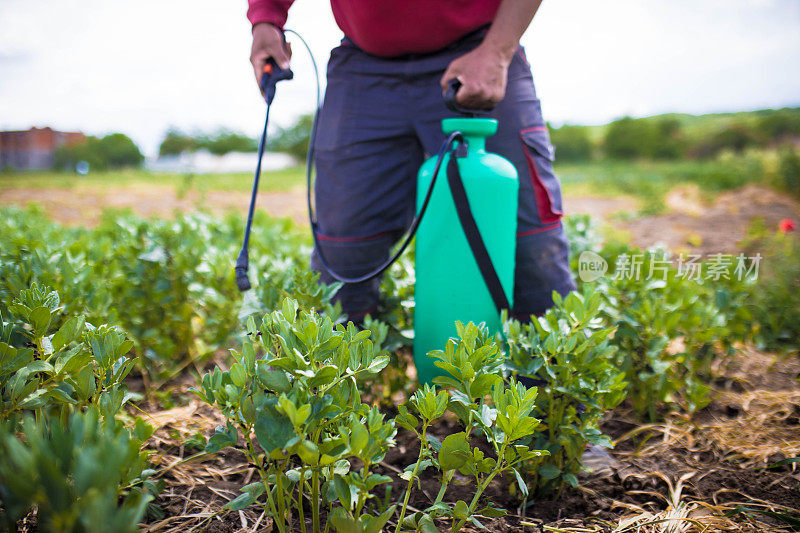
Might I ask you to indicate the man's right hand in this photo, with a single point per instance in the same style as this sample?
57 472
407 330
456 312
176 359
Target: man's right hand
268 43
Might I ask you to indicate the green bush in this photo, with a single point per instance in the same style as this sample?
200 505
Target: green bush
225 142
219 143
52 364
115 150
666 330
629 138
80 473
668 142
572 143
295 386
500 413
302 402
175 143
774 299
735 137
168 284
780 124
293 140
568 353
789 170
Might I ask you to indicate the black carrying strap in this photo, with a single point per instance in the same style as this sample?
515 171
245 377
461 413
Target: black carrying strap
473 234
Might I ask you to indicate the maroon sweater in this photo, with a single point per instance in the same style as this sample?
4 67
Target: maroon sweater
391 28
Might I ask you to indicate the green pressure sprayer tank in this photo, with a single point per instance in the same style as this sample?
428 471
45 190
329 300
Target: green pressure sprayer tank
449 283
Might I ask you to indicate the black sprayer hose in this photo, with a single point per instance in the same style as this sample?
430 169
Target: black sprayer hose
448 145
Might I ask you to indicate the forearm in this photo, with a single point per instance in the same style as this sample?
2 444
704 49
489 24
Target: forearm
512 19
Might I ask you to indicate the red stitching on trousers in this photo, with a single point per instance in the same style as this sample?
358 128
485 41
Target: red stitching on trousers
351 239
539 230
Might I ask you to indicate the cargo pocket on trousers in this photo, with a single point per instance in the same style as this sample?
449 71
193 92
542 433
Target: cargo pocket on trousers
539 154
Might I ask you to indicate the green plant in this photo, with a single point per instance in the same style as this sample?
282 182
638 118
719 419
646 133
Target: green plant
655 138
115 150
779 124
487 408
175 142
572 143
294 139
567 352
48 362
81 473
299 410
789 170
736 137
667 325
168 284
773 300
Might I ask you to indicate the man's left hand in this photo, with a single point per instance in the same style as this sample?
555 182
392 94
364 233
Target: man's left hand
482 73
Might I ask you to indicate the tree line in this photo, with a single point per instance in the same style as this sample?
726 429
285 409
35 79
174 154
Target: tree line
667 137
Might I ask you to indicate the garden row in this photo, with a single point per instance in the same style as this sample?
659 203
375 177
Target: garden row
307 399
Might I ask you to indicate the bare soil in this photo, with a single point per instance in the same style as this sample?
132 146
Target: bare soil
84 205
697 228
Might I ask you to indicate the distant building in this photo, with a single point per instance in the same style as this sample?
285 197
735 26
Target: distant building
33 149
204 162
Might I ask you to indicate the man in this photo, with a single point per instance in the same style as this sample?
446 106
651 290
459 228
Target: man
381 116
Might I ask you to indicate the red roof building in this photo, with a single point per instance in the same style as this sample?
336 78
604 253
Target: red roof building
33 149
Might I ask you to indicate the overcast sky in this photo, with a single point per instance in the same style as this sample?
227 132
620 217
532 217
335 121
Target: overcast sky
141 66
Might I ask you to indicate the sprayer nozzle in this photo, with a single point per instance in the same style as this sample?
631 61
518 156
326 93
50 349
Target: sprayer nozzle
242 280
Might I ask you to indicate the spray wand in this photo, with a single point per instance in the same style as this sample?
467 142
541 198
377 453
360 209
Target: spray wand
271 76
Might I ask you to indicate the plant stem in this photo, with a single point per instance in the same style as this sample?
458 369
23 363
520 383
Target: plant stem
301 515
422 447
315 499
480 490
276 517
445 482
362 498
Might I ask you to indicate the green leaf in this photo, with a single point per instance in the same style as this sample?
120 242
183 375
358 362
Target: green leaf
359 437
549 471
222 438
435 444
273 431
40 319
523 428
344 492
378 364
374 524
308 452
455 452
523 487
275 380
238 375
324 376
254 489
460 510
242 501
492 512
40 366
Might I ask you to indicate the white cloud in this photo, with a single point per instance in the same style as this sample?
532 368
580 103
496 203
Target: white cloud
139 66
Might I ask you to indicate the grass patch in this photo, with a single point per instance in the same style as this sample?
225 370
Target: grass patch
650 181
277 180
